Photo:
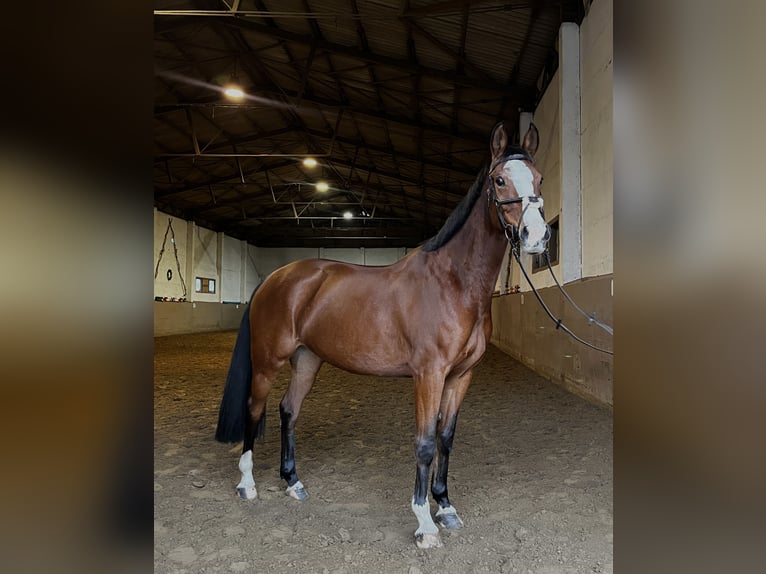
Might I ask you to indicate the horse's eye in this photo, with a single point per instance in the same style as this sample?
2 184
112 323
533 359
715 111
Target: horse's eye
500 181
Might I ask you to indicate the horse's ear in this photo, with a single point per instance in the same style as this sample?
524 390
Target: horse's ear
498 141
531 140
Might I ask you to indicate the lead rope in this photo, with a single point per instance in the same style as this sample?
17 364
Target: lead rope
591 318
559 322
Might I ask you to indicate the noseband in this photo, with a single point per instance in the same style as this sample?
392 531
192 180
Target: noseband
512 231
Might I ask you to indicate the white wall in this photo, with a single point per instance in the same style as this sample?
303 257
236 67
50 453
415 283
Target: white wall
348 255
167 260
252 277
237 267
268 259
384 256
596 39
205 261
231 270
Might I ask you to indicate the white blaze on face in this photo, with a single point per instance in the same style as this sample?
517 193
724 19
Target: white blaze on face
524 182
522 177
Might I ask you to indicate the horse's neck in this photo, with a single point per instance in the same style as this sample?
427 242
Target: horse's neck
477 250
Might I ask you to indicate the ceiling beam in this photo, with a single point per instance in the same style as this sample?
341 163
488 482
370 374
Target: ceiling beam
232 178
447 165
333 105
449 76
460 59
395 176
456 6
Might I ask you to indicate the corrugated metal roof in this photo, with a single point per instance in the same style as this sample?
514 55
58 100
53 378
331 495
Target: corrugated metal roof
397 105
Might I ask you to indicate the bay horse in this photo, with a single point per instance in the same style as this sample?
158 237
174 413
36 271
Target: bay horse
427 316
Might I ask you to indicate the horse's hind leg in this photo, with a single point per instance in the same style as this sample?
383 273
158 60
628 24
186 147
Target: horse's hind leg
254 427
454 391
305 366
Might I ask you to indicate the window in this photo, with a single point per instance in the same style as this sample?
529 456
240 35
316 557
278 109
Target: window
204 285
538 261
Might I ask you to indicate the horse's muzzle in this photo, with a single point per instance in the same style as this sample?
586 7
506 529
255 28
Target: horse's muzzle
534 238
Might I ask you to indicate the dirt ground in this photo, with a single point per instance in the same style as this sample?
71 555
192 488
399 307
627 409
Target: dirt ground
530 475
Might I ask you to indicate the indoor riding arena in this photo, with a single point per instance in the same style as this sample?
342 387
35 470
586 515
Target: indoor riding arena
349 199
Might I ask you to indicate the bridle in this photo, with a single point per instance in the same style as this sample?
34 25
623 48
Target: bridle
512 235
536 202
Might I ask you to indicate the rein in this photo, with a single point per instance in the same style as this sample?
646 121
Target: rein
559 322
512 235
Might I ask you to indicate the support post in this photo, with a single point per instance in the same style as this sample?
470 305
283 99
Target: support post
571 212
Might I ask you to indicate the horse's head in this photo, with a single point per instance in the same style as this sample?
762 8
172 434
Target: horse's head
514 186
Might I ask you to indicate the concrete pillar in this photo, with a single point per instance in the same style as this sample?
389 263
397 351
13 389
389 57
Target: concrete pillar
191 294
219 265
243 295
570 226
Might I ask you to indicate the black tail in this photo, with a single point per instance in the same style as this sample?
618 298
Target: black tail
236 393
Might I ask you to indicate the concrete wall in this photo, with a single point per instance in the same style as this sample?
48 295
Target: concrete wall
585 253
237 267
205 257
231 269
596 124
252 277
268 259
170 236
174 318
523 330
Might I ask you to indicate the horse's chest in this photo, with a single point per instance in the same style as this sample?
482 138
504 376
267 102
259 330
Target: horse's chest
469 341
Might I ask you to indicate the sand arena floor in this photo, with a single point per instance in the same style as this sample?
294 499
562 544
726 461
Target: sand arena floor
530 475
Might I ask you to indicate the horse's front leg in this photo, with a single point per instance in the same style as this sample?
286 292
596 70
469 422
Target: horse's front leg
428 390
454 391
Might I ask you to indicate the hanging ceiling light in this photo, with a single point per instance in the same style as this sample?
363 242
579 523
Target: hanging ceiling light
347 215
310 162
233 88
322 186
233 91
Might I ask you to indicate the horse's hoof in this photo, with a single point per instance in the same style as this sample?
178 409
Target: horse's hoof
297 491
247 492
428 540
450 521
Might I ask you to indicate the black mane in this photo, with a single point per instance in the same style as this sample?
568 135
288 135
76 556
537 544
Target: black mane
459 216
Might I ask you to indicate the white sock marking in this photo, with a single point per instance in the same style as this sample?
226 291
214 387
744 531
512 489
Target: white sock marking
446 510
290 490
426 524
247 484
449 511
